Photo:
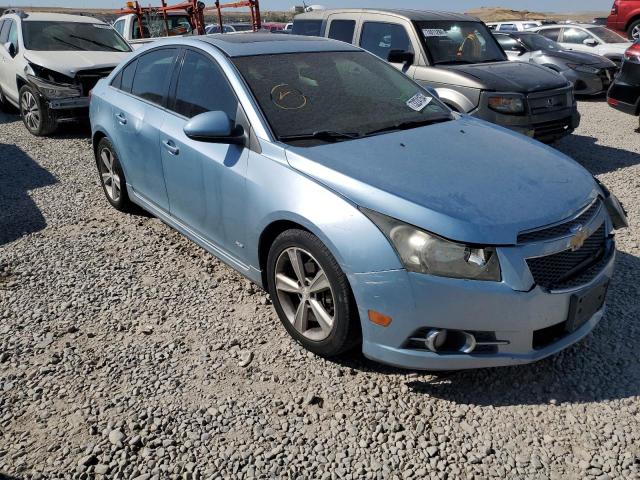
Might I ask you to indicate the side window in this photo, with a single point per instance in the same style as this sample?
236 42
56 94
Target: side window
575 35
380 38
117 81
119 27
342 30
507 43
4 34
550 33
203 87
13 34
153 75
311 28
128 73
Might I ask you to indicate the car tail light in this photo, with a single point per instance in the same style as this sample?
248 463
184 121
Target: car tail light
614 8
633 53
612 101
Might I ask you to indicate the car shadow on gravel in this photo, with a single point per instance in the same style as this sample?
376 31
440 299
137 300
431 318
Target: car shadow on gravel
603 366
4 476
596 158
19 173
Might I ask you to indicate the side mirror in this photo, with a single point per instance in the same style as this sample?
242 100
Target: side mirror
214 127
590 42
10 48
400 56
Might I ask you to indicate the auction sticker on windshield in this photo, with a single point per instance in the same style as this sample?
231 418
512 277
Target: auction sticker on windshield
418 102
434 32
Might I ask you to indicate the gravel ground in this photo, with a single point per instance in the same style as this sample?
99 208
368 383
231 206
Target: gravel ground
127 351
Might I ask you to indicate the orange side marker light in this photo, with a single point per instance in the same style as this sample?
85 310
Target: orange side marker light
379 319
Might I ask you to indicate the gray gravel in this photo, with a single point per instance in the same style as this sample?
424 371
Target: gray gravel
128 352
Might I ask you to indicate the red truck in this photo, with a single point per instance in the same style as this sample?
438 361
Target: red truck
625 18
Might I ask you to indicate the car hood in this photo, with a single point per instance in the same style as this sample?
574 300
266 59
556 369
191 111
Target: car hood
70 63
511 76
466 180
581 58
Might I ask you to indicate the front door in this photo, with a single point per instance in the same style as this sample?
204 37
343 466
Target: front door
205 181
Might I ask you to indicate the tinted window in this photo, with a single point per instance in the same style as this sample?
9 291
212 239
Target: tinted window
342 30
307 27
71 36
507 27
119 26
203 87
128 73
574 35
348 92
4 31
451 42
550 33
380 38
607 36
507 43
153 75
117 81
533 41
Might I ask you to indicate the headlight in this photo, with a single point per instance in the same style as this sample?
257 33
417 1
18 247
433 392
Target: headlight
507 103
424 252
54 90
582 68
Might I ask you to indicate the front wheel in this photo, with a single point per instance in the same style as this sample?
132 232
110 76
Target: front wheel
634 30
35 113
311 294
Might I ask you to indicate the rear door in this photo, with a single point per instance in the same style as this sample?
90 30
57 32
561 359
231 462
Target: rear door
137 106
9 34
205 181
573 38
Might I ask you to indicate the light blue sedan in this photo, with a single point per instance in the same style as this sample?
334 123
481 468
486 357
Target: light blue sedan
373 215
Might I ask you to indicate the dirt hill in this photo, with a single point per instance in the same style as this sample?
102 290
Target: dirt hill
495 14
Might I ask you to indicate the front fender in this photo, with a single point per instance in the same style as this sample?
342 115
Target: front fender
278 192
455 99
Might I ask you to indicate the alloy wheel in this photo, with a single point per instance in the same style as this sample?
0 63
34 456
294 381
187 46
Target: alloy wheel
30 111
305 293
635 32
109 176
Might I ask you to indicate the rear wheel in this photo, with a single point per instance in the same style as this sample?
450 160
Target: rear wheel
112 178
35 113
634 30
311 294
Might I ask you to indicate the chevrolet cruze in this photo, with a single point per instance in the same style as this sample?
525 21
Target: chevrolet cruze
373 215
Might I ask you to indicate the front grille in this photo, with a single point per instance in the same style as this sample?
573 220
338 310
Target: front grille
87 79
564 269
563 229
552 128
551 103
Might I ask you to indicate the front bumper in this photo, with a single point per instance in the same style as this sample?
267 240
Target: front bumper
589 84
527 320
546 125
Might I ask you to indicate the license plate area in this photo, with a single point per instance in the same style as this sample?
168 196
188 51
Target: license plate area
584 305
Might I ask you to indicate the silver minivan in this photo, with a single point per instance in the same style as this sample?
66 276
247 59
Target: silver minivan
458 56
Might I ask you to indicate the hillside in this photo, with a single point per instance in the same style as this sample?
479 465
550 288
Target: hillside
494 14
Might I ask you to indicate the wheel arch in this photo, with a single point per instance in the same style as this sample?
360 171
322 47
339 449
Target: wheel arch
634 18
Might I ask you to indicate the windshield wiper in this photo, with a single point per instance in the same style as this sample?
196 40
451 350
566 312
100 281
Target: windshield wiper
409 125
62 40
327 135
100 44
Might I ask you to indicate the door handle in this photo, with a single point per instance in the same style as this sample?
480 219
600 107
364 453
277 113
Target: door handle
171 147
121 118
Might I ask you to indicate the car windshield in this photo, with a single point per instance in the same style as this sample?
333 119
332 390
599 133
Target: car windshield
56 36
313 98
607 36
154 26
449 42
538 42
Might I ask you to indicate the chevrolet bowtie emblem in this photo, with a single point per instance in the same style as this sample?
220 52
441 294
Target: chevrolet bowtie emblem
579 238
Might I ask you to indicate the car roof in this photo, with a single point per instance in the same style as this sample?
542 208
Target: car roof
409 14
54 17
245 44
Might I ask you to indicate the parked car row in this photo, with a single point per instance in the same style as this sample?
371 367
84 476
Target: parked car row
338 178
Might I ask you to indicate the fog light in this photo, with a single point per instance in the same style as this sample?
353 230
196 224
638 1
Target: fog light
449 341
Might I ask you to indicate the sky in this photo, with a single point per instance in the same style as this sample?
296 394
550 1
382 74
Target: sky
451 5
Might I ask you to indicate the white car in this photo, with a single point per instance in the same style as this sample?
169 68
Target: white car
50 62
152 27
588 38
513 25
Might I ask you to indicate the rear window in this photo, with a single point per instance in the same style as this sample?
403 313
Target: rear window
311 28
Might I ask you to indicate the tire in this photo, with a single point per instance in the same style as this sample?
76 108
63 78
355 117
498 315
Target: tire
112 179
35 114
333 297
633 32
